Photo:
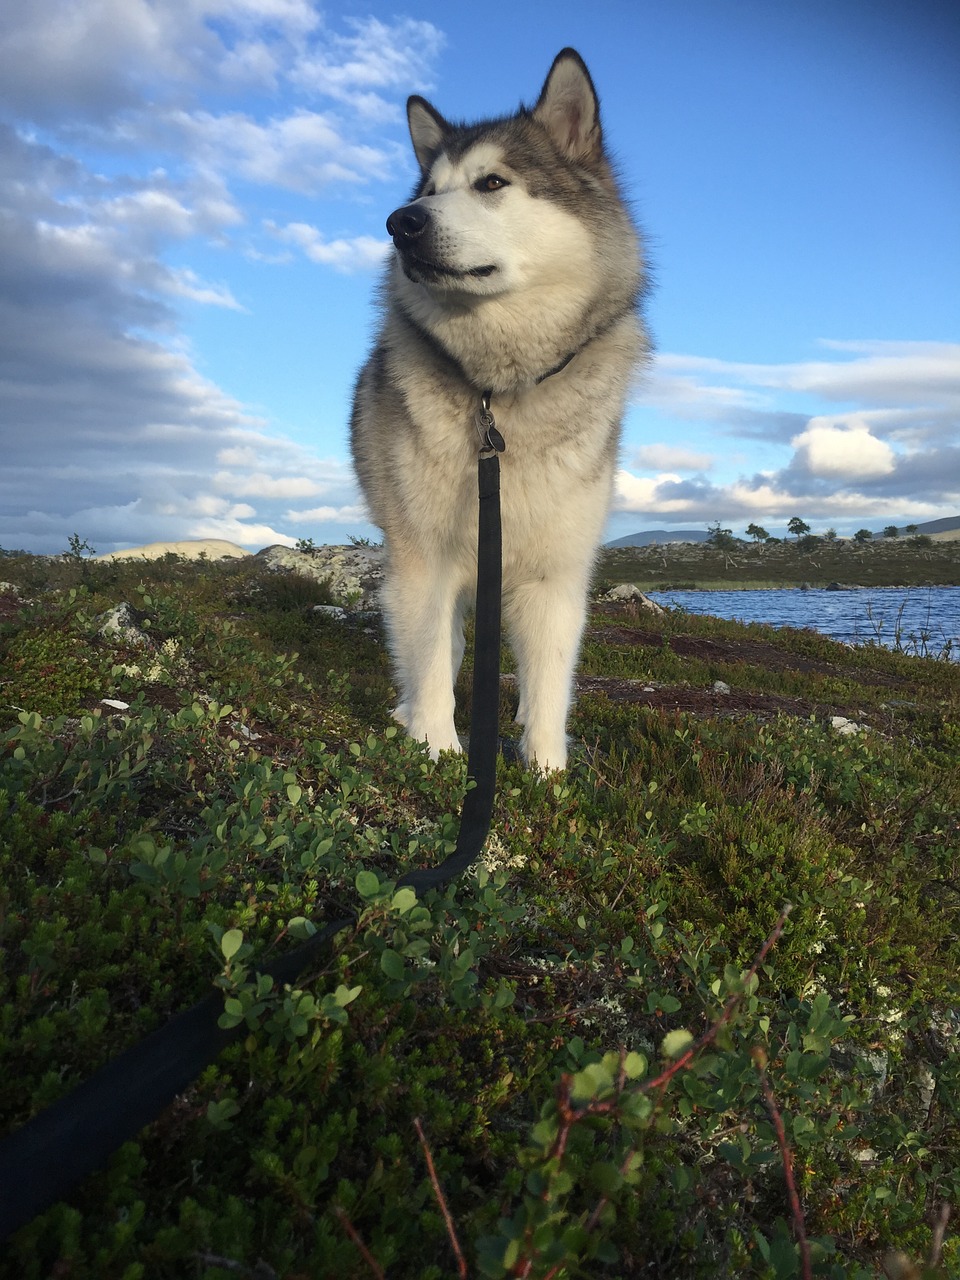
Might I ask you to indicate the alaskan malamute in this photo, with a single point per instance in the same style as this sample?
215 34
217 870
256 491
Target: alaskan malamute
517 274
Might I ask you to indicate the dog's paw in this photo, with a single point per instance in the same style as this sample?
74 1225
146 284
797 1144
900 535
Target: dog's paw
545 752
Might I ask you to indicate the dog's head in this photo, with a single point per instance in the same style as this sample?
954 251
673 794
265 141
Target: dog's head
500 204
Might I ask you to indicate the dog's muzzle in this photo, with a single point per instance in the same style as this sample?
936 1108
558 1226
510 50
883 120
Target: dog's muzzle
414 233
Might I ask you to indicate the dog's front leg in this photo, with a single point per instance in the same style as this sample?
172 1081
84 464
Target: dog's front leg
423 605
545 620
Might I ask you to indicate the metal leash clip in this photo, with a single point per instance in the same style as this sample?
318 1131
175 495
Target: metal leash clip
491 441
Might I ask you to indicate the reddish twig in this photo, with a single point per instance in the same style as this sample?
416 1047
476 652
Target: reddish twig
365 1253
569 1115
726 1014
786 1155
441 1201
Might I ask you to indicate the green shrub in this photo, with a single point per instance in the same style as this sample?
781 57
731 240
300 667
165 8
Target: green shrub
606 1049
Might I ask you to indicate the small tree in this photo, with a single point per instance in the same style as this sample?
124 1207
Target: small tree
78 548
798 527
722 539
830 535
757 532
891 531
911 528
862 535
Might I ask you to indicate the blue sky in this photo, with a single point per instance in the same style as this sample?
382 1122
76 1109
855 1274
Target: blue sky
193 201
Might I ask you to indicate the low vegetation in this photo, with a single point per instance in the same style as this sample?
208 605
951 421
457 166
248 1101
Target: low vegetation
610 1050
809 559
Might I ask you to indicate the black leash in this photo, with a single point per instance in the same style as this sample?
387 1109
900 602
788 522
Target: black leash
41 1161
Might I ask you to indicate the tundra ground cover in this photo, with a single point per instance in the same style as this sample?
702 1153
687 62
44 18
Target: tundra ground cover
607 1081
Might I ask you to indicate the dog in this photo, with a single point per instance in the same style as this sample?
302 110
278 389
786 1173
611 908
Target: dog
515 282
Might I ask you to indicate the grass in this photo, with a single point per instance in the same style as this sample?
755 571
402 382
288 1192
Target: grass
603 1085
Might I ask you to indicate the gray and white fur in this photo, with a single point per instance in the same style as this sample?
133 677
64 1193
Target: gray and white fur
517 271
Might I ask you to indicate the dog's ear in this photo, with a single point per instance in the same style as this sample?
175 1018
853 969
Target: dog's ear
568 109
427 130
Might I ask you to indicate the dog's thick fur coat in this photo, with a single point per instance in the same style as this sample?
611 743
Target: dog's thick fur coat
517 272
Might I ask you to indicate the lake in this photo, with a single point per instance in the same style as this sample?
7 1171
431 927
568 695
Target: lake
926 619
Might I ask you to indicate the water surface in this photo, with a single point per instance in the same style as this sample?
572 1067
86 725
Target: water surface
924 620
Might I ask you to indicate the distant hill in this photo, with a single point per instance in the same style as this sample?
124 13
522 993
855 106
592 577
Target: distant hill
948 527
942 530
660 535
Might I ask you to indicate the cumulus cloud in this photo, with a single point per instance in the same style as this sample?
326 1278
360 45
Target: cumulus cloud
845 450
123 144
873 431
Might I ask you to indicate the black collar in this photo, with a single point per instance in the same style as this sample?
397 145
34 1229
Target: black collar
557 367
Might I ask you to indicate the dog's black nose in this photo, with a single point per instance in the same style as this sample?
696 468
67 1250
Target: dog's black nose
408 223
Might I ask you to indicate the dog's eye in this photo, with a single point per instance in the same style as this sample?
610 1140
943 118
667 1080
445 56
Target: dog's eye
490 182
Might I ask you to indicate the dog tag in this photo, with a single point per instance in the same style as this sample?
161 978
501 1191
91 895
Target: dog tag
494 440
490 437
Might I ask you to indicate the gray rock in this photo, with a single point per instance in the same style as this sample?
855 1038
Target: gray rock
720 686
120 623
354 573
630 593
844 726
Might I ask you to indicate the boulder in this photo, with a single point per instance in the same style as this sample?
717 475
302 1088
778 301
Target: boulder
122 622
630 594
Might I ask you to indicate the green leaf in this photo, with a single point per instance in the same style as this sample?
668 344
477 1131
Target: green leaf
606 1177
294 793
675 1043
392 964
230 943
219 1114
634 1065
343 995
404 900
593 1080
504 997
367 883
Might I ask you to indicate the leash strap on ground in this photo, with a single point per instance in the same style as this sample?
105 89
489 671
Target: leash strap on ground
42 1160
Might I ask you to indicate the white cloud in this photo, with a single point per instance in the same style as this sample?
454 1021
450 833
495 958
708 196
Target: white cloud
257 484
124 147
642 493
881 374
842 450
874 430
668 457
376 55
667 498
244 534
325 515
181 282
361 253
303 151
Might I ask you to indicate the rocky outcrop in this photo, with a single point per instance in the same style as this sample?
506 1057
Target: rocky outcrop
354 573
628 593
